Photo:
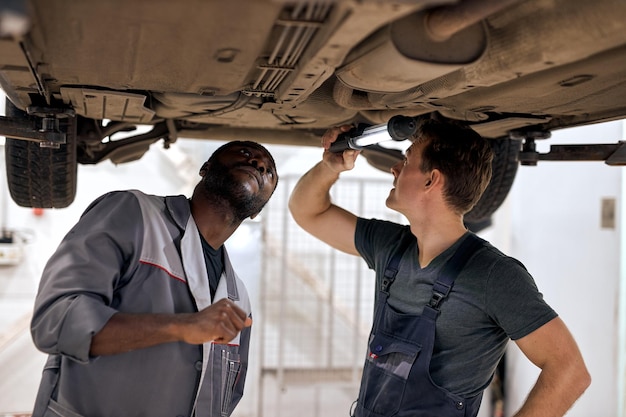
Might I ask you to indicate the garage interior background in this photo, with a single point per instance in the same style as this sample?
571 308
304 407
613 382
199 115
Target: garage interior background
563 220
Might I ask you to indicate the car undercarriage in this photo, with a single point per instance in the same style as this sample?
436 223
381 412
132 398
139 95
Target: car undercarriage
81 77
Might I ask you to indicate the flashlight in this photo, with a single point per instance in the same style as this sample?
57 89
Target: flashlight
398 128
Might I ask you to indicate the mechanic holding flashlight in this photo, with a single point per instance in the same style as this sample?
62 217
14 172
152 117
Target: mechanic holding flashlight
447 302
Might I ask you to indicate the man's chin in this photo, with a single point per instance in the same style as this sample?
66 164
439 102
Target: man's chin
251 182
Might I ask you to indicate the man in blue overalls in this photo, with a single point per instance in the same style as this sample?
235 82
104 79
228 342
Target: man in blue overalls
447 302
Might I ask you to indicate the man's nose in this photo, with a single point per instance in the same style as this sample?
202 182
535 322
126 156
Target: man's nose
258 165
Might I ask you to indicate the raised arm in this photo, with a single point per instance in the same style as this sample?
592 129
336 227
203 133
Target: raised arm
310 203
564 376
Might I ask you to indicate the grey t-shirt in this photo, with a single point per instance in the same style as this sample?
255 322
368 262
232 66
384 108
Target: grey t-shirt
494 299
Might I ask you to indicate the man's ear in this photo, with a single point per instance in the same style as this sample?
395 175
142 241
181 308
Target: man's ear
434 178
204 169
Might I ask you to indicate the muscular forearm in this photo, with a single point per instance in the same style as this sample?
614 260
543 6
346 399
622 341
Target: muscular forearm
556 391
311 196
220 322
127 332
564 376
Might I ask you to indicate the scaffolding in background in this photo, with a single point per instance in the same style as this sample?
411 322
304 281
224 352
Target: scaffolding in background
316 308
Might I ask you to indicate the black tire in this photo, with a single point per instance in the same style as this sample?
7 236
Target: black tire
41 177
504 169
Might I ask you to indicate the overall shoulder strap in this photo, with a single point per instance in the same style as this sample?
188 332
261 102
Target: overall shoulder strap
394 262
452 268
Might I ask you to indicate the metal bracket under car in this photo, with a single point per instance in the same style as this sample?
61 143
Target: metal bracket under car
400 128
44 145
43 129
612 154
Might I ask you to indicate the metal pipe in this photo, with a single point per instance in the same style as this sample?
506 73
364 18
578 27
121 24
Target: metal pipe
443 22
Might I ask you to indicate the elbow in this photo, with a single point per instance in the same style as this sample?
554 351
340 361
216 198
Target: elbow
579 379
291 205
44 345
294 213
297 213
584 380
37 336
42 339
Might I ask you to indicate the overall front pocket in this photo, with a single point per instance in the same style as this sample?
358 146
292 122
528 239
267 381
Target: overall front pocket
387 367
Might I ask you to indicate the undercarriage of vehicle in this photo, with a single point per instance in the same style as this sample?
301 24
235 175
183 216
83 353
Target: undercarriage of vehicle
90 81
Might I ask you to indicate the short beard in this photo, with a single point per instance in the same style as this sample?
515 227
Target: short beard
219 184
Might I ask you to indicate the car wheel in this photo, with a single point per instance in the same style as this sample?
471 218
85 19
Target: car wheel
41 177
504 169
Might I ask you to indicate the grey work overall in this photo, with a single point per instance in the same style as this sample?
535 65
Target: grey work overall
396 377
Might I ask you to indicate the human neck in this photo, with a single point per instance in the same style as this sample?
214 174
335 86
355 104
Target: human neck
434 237
215 223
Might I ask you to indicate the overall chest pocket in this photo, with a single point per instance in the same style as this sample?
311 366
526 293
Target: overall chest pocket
387 367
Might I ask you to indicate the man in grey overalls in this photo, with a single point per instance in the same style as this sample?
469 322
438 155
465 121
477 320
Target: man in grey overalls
139 308
447 302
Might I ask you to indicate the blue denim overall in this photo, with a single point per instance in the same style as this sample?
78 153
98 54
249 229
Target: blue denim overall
396 377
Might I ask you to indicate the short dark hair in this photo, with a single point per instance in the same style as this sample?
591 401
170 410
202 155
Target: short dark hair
463 157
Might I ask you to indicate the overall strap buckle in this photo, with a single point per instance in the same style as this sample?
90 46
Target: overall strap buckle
435 300
394 262
452 268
